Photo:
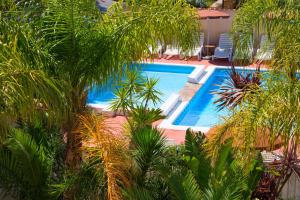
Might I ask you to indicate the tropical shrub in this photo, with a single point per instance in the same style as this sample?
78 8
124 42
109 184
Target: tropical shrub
27 160
222 177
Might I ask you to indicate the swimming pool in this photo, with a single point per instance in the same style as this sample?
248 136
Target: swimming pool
171 78
201 110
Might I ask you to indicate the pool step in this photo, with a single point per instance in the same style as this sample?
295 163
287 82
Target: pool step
188 91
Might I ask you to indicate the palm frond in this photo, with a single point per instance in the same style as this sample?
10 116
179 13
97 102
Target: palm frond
279 20
101 144
25 166
184 187
149 146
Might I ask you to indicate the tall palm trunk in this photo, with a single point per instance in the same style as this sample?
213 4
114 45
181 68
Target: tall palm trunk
73 153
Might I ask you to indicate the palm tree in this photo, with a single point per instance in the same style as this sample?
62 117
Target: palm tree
84 48
279 20
271 111
26 90
107 151
114 165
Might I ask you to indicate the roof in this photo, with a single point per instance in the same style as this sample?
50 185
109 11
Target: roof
212 14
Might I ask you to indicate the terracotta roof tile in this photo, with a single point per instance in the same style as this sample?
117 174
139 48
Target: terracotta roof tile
212 14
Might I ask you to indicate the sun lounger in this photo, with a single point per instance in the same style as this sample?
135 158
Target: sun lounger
171 51
224 50
198 50
265 52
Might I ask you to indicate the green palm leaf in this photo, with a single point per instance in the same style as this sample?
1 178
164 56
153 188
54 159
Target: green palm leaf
25 166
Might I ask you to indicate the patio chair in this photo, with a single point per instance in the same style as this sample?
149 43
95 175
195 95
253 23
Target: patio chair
171 51
154 50
246 52
224 50
198 50
265 52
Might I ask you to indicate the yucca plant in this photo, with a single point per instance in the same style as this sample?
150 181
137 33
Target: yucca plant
135 91
236 88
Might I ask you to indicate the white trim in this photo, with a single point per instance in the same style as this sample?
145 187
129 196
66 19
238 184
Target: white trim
174 64
196 74
169 104
209 71
97 105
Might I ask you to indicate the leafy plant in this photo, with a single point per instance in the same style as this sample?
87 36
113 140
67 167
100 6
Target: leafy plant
222 177
236 88
135 91
25 167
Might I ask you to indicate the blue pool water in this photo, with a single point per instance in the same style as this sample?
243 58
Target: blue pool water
201 110
172 78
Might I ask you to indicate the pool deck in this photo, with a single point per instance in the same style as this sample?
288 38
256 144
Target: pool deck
188 91
172 136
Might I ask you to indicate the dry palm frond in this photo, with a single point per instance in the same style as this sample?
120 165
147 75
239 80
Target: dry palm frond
101 144
243 137
261 141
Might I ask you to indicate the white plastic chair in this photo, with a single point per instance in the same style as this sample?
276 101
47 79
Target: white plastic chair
224 50
155 50
171 51
265 52
198 50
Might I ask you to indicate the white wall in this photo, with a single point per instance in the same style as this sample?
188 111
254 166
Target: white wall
212 28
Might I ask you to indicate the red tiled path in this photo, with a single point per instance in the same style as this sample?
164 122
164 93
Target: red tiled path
115 124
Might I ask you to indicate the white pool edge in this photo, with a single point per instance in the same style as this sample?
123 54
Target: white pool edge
168 122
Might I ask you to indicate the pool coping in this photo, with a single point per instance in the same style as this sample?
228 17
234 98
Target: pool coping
168 122
100 107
